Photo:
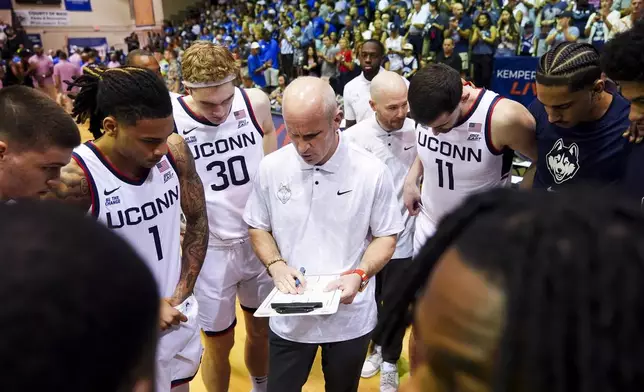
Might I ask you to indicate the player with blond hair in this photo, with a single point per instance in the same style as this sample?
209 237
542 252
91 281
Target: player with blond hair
229 130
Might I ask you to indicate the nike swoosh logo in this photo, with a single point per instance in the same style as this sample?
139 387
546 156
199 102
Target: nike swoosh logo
110 192
343 193
190 130
550 189
408 148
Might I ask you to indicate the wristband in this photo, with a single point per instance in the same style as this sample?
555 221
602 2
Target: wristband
278 260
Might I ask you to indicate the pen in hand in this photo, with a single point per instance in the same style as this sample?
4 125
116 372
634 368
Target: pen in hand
297 281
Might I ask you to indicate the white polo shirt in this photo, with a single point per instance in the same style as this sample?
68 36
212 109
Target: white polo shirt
322 219
397 150
356 98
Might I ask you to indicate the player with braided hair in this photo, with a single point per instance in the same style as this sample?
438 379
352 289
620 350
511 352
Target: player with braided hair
136 177
548 299
579 123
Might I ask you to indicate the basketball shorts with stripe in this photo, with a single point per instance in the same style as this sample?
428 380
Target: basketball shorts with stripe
229 271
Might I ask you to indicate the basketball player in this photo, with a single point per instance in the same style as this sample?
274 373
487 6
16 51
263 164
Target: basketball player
506 307
132 179
33 148
579 125
70 289
622 61
229 130
389 135
465 145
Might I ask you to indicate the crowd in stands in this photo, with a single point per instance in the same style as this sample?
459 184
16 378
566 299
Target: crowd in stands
276 40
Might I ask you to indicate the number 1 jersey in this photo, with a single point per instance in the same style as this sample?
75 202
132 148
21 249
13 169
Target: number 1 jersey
226 156
145 212
460 162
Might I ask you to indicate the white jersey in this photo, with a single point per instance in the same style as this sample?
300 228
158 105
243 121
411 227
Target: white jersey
397 150
226 157
146 212
459 163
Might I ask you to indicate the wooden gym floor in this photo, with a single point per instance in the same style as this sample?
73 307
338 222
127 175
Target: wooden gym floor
239 379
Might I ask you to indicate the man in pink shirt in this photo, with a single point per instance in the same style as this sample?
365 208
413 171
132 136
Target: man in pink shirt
63 71
43 77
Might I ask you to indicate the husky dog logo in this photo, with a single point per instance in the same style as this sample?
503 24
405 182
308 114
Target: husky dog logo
563 161
284 193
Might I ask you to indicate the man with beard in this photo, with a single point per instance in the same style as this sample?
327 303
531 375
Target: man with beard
356 92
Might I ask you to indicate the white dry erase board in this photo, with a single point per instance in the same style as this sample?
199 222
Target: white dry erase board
314 293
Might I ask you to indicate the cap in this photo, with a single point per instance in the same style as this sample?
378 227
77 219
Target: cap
408 47
228 38
254 45
565 14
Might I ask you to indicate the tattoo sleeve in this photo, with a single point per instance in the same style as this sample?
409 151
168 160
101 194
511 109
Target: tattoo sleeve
193 204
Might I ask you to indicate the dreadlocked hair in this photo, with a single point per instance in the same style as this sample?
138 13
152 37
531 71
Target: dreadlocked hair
127 93
571 64
571 265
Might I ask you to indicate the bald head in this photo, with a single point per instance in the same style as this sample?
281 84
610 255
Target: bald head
385 85
389 100
143 59
309 95
312 118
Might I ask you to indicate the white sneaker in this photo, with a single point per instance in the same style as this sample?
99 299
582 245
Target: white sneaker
371 366
389 378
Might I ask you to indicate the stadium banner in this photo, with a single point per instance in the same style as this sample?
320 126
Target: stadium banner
514 78
78 5
98 44
30 18
5 5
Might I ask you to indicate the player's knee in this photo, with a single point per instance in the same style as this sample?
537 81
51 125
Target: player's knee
257 330
220 344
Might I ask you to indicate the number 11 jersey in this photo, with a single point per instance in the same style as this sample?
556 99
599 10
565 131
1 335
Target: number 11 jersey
226 157
459 163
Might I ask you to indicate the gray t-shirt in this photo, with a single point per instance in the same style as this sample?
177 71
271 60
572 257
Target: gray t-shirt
329 70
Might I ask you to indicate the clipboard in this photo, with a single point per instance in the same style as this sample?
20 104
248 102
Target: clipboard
313 302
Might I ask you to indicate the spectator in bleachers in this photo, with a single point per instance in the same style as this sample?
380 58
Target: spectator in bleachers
434 29
636 13
416 24
410 63
286 48
311 64
601 25
460 29
581 12
482 41
508 33
326 55
448 57
278 93
564 32
528 40
394 48
255 66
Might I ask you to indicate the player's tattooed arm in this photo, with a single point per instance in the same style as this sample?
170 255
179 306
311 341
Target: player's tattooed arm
262 109
73 188
193 204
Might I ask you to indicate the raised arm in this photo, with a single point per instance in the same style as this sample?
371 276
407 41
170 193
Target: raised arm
262 109
193 204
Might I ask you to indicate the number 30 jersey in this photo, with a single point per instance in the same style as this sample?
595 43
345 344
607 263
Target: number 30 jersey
459 163
226 157
145 212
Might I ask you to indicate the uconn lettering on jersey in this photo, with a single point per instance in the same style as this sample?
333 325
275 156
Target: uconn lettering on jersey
466 154
135 215
222 146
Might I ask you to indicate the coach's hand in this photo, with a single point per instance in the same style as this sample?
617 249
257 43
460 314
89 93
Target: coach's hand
348 284
284 277
634 134
169 316
411 198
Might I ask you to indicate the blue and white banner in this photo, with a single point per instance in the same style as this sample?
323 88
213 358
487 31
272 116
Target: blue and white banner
78 5
514 78
98 44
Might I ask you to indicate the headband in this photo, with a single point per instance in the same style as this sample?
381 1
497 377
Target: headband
225 80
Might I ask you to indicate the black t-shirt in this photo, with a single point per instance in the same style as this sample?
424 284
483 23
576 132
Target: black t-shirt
453 61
